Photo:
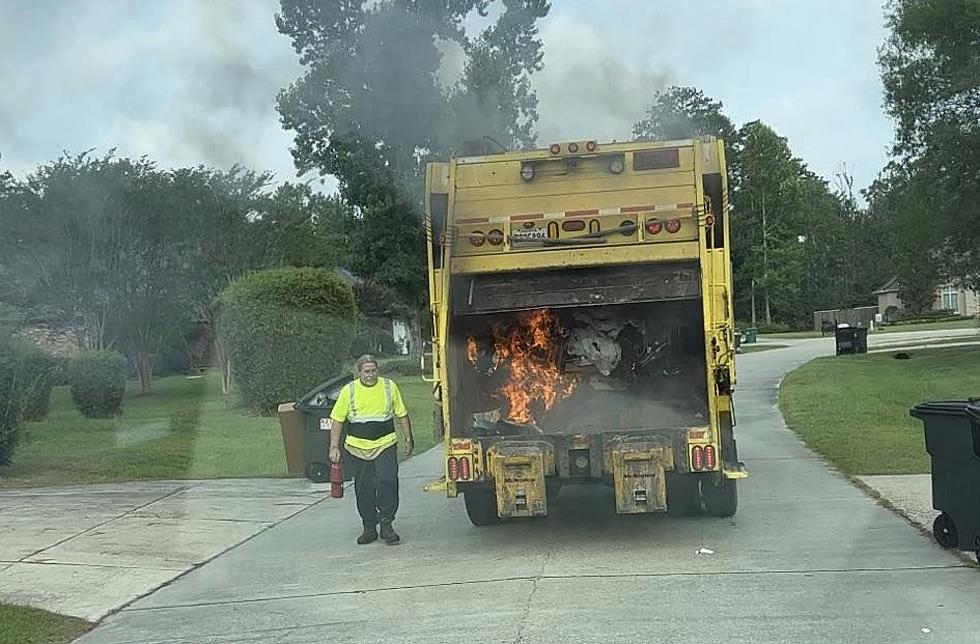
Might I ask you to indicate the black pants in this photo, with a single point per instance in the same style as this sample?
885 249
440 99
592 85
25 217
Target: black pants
376 486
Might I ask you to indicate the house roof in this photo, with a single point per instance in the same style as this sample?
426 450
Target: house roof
891 286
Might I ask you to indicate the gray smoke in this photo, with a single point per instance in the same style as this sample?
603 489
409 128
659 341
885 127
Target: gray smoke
592 86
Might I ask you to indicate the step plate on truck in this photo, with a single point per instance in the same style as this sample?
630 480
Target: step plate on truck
638 473
518 476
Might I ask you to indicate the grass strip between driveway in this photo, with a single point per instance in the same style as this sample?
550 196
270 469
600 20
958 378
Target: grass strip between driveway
25 625
853 409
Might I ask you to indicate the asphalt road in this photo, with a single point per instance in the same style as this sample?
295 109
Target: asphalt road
808 558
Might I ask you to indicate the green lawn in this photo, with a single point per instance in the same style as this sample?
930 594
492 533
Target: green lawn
854 409
792 335
32 626
929 326
756 348
185 429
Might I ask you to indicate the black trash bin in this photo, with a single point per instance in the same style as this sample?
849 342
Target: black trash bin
851 339
952 432
316 407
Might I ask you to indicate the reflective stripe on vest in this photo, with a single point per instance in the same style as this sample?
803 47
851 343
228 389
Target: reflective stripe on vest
354 417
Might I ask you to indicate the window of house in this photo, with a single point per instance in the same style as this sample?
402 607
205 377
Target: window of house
951 299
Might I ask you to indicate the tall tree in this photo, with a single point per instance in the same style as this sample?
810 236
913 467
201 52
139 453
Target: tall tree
931 72
371 110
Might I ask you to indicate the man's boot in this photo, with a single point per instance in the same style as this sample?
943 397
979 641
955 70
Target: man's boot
370 535
388 534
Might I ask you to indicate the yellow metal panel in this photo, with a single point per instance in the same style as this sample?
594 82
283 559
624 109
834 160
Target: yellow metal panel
598 256
639 479
611 197
518 476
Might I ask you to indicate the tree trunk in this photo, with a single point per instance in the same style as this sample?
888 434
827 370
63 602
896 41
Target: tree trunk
768 312
144 369
415 334
752 291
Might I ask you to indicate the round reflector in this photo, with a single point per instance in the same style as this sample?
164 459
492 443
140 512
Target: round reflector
709 220
555 148
527 172
590 146
495 237
616 166
654 226
673 225
477 238
627 227
573 147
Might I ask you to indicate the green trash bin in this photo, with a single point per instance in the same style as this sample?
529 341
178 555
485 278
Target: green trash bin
316 407
751 335
952 433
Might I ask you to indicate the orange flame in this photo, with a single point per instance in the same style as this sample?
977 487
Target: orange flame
531 353
471 350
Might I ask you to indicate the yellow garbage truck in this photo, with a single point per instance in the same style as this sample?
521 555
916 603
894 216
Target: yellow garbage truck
581 301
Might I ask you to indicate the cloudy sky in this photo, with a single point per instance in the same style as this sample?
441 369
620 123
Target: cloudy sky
194 81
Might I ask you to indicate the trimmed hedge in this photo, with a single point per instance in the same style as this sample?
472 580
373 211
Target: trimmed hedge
98 382
37 372
9 400
286 330
400 366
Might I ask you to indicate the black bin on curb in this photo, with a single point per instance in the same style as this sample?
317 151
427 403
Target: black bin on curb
851 339
952 432
316 407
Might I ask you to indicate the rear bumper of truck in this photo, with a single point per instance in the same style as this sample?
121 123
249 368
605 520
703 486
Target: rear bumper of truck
524 471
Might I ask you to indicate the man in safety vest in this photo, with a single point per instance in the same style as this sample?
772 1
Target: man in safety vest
370 406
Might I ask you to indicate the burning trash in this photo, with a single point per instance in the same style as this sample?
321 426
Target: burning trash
527 354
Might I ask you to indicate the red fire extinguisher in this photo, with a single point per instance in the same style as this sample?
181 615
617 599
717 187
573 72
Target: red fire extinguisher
336 481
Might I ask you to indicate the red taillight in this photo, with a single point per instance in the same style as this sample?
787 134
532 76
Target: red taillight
590 146
654 226
709 457
673 225
555 148
477 238
464 468
697 458
495 237
453 468
573 147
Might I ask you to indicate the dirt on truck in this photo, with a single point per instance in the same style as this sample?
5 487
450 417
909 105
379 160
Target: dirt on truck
582 326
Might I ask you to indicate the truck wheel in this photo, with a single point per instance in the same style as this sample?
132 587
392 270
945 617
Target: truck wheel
481 506
683 495
720 500
944 530
318 472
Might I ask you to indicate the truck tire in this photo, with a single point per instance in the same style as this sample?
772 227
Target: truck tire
720 498
683 495
481 506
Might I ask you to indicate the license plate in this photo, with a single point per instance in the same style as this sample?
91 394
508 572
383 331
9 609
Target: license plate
530 234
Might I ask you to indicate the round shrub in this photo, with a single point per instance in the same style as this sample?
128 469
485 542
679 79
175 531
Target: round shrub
98 382
9 401
286 330
37 372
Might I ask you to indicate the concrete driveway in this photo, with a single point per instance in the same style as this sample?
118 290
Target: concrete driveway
87 550
808 558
